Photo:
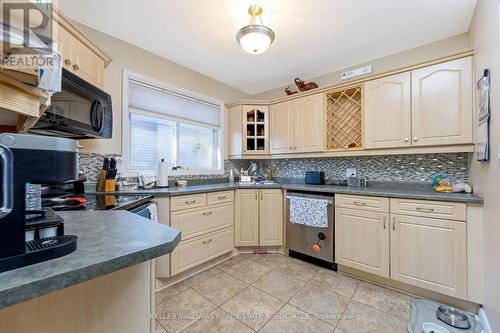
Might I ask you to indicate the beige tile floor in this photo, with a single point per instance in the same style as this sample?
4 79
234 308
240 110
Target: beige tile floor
274 293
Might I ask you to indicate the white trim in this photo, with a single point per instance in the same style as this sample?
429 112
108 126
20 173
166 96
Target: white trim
128 76
481 316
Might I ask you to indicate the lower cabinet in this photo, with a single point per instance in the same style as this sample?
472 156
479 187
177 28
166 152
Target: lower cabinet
362 240
192 252
206 222
430 253
415 248
258 217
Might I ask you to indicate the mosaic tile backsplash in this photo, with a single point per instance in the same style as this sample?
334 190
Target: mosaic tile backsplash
410 168
90 165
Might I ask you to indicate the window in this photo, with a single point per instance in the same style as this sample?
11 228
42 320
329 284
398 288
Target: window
177 126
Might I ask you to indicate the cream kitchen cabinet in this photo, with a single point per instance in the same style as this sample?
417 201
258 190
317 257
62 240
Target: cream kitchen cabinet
430 253
271 217
418 242
248 130
308 124
297 126
255 129
258 217
80 55
442 106
281 118
362 236
430 106
387 112
206 222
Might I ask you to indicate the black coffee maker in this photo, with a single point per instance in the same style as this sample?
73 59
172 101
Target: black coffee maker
32 159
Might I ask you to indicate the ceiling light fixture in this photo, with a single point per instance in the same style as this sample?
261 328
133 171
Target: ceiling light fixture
255 38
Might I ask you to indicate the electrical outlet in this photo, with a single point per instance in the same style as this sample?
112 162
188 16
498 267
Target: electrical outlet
350 172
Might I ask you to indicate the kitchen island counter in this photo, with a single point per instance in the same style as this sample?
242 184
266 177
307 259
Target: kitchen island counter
108 241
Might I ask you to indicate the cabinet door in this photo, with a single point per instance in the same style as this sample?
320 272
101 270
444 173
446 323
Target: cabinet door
246 224
281 128
442 108
362 240
308 124
62 40
235 131
429 253
271 218
86 64
387 117
255 129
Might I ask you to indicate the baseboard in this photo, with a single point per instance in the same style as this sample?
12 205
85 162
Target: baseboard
481 316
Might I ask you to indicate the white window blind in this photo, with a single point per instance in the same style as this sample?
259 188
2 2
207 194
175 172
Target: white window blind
164 124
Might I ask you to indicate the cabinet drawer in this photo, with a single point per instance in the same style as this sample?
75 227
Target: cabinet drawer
436 209
220 197
195 251
362 202
188 201
198 221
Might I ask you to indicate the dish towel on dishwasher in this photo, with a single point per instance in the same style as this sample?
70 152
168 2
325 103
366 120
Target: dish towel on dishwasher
308 211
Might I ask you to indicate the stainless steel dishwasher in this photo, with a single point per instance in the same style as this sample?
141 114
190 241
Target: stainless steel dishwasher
300 239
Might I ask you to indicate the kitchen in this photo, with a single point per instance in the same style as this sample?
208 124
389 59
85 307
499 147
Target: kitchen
172 187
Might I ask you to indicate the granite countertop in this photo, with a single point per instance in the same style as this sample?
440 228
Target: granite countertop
107 242
418 192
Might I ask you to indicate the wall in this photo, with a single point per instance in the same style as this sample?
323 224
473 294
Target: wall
127 56
484 35
397 60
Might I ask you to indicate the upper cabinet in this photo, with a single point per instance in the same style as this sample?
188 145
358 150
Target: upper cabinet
255 129
308 119
297 125
281 117
430 106
234 131
442 107
387 112
80 56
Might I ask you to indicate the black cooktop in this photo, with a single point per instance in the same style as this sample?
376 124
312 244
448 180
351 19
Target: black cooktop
97 202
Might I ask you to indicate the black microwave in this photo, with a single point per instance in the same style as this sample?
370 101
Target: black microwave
79 111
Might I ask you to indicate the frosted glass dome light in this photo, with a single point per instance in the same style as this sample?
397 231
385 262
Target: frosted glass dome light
255 38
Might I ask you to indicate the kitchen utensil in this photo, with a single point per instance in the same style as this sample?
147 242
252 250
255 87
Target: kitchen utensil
105 164
434 328
452 316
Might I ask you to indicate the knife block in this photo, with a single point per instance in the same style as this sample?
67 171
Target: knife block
101 182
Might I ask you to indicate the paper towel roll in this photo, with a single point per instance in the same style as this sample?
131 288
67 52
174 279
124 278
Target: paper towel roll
162 180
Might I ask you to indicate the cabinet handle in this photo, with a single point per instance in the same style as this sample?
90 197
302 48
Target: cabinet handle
221 197
407 139
261 195
393 223
384 221
291 148
189 202
67 62
255 195
207 241
358 203
415 138
76 67
207 213
425 210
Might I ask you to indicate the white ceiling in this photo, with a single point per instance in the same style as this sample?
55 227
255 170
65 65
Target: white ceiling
312 37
